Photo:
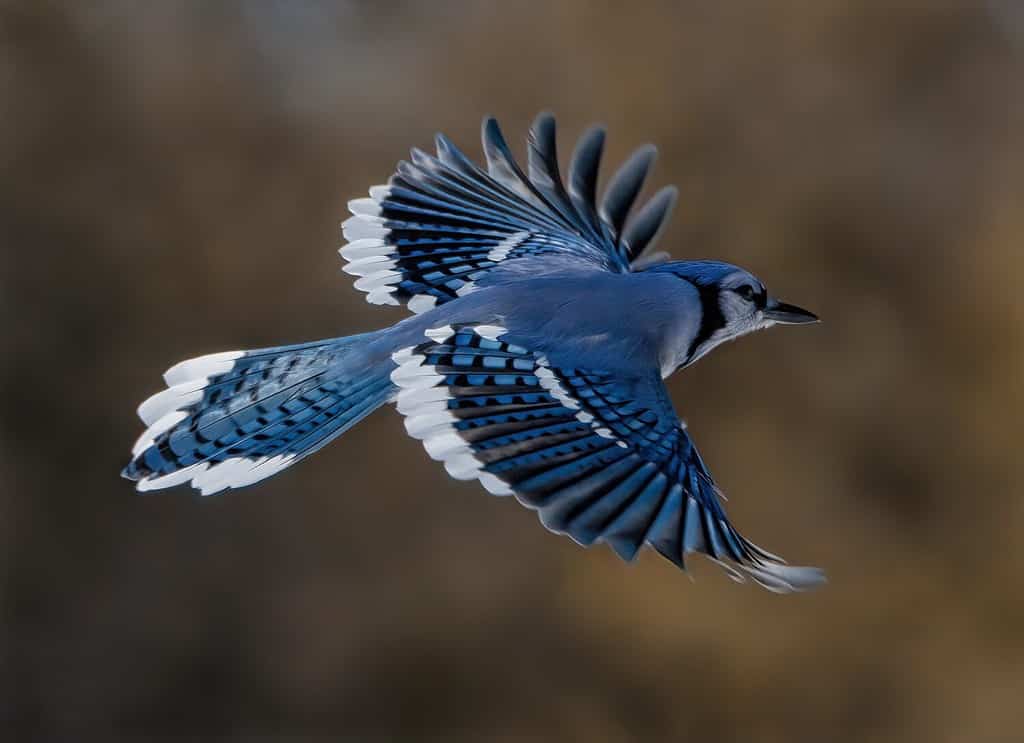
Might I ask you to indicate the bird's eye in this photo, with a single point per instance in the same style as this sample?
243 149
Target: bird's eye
747 292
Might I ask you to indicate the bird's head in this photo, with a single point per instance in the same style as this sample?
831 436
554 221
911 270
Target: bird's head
733 301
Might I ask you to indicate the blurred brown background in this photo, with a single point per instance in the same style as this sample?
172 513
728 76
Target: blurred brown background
173 175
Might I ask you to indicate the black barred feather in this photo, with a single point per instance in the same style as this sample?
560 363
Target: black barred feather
600 458
442 225
231 419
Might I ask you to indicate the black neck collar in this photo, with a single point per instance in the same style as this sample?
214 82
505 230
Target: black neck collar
711 318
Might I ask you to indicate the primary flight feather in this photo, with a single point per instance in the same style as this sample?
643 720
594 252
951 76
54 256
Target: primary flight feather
533 361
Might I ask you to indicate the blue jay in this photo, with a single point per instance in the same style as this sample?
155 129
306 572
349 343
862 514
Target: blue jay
533 360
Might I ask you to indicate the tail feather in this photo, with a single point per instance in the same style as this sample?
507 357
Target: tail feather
231 419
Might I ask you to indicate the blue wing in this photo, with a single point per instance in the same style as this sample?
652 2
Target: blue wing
602 459
441 225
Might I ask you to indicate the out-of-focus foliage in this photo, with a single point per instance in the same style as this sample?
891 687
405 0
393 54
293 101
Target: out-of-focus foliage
172 179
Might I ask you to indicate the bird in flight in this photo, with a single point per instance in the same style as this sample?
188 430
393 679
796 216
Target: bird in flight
533 361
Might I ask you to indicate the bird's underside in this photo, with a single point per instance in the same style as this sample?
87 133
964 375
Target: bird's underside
520 369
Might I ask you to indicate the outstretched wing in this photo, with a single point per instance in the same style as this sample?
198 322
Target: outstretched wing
601 459
442 225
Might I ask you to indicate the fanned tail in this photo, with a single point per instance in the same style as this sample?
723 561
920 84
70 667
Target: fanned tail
231 419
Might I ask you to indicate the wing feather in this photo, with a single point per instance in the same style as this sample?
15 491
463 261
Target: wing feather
625 186
542 160
599 458
642 230
583 171
443 226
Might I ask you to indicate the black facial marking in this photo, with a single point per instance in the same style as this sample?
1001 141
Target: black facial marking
755 294
711 318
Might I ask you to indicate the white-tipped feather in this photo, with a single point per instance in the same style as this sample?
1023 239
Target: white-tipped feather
490 332
421 303
378 279
463 467
410 400
380 193
427 417
500 251
440 334
368 207
402 355
368 265
433 431
363 226
221 474
445 445
550 382
235 472
178 397
412 366
264 468
413 376
382 295
376 262
422 425
167 481
201 366
162 424
493 485
365 248
271 467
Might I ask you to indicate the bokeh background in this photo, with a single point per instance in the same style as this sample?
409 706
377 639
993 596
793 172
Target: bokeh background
173 175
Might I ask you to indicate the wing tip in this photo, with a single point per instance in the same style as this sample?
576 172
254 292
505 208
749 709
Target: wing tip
544 125
781 578
490 129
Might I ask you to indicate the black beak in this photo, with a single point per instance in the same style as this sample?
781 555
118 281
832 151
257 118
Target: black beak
787 314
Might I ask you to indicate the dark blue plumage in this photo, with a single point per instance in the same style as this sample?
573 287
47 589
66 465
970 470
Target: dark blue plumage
596 455
533 362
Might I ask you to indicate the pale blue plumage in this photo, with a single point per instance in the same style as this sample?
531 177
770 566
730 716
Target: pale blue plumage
533 361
